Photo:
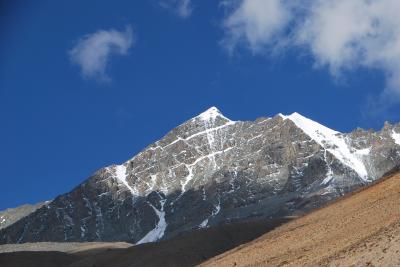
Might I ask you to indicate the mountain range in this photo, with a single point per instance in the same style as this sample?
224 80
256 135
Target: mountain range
211 171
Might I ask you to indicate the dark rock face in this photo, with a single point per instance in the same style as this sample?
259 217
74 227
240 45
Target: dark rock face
209 171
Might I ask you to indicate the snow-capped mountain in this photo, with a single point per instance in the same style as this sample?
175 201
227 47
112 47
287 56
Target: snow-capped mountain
213 170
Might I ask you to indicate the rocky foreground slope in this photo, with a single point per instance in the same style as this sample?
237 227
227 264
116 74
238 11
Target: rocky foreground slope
360 230
212 170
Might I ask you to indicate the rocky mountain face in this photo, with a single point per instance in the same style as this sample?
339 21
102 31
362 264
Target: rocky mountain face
10 216
211 170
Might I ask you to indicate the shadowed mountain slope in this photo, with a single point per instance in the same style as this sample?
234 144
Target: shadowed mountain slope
187 249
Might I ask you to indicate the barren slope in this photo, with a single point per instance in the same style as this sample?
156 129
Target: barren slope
67 247
362 229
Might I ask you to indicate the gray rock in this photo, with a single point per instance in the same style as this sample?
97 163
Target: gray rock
10 216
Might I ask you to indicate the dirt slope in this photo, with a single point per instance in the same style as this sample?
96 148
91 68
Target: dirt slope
360 230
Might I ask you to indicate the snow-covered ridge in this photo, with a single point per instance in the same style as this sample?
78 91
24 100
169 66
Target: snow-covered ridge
332 141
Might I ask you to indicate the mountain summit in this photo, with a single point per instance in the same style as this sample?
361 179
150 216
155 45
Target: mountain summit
211 170
211 114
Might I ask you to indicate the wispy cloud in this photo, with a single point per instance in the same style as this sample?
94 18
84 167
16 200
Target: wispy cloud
92 52
340 35
182 8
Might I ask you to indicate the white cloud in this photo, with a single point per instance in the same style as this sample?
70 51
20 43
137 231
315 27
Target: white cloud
255 23
92 52
182 8
341 35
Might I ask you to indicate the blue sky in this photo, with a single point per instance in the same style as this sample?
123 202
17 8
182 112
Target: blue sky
85 84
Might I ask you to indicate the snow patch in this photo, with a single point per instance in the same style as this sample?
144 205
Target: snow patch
396 137
364 151
120 174
203 224
83 232
216 210
158 232
330 140
329 173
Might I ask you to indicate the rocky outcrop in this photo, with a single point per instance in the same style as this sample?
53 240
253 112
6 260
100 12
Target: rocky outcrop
211 170
10 216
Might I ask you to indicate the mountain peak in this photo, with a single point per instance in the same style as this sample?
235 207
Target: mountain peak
211 114
307 124
212 163
331 141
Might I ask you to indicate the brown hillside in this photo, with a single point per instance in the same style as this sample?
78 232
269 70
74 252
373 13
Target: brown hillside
360 230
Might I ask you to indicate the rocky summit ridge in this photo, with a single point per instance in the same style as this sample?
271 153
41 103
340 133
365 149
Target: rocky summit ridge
211 170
